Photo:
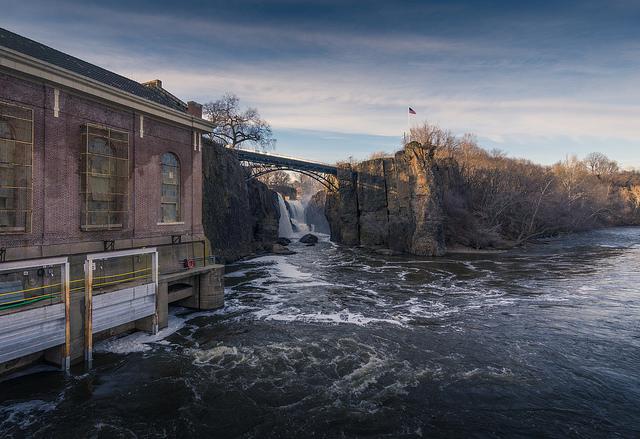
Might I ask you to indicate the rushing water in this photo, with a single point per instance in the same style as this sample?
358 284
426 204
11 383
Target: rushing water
292 220
339 342
285 229
297 216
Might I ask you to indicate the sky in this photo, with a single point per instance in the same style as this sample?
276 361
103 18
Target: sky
540 80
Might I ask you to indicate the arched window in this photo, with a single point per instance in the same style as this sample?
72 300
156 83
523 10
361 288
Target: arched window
16 146
170 202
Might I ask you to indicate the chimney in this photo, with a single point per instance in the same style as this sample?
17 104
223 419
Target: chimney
156 83
194 109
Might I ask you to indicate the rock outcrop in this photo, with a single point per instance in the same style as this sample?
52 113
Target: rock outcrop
314 213
240 218
394 203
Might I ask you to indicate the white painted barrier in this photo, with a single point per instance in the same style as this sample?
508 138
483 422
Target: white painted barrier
123 306
111 309
32 330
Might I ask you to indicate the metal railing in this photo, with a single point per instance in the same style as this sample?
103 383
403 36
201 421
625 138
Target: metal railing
175 257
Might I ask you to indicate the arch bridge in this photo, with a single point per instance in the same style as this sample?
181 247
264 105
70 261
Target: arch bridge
259 163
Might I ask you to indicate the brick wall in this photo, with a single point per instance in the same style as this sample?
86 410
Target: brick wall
56 174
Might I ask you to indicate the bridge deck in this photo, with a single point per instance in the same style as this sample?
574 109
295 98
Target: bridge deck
289 162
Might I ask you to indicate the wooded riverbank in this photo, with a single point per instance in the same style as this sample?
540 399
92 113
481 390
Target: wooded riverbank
441 191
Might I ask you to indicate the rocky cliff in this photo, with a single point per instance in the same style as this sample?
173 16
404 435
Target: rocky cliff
314 213
394 203
240 218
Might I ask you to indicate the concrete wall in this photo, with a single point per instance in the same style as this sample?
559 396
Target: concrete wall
56 174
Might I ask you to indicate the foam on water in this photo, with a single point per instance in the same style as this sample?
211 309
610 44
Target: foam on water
178 319
429 309
239 273
142 341
283 280
342 317
139 341
282 267
216 354
25 414
486 372
359 374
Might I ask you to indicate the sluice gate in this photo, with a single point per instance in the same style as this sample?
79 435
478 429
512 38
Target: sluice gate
53 309
39 318
24 332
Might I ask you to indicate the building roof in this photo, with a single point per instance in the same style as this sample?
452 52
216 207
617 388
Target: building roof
49 55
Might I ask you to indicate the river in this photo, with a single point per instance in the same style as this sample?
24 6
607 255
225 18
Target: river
340 342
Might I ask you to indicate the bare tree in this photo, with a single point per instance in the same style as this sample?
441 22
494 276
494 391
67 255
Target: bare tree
309 186
599 164
531 231
234 127
571 174
379 155
276 178
434 139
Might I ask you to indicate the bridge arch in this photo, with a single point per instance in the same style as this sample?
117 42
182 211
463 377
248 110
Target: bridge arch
259 164
329 182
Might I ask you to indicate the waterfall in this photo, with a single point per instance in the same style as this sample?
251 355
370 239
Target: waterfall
285 230
297 216
292 218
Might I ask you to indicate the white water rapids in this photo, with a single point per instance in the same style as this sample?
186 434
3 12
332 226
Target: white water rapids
335 341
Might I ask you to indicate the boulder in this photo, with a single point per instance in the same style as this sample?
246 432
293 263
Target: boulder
281 250
309 238
283 241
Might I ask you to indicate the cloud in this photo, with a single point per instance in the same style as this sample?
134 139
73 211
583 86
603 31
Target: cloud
502 73
347 102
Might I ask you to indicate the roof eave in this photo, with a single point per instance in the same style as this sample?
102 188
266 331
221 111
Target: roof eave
20 62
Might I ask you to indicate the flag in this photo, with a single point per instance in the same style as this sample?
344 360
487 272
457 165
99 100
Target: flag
411 111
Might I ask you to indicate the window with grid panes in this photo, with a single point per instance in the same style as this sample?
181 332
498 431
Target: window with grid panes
16 160
105 178
170 200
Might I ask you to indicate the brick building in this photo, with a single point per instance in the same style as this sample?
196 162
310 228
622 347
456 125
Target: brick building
91 161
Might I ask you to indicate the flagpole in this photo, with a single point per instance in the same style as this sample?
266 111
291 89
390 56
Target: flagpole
410 111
